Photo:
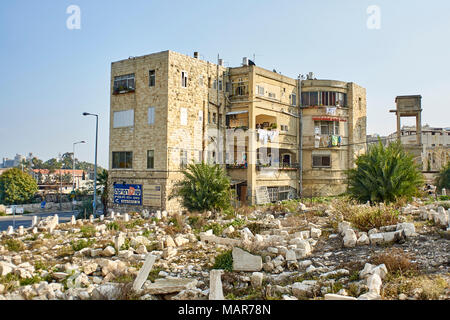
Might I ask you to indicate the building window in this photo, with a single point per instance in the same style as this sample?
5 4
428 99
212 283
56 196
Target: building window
124 83
151 159
122 160
293 99
284 128
214 118
183 116
184 79
151 115
183 158
324 98
260 90
220 85
228 87
326 127
152 78
200 81
321 161
272 95
215 84
123 119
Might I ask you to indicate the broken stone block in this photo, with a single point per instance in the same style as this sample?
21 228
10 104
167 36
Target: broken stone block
363 239
374 283
109 251
256 279
290 255
169 252
349 238
376 238
180 241
144 272
304 289
6 268
170 242
215 285
227 231
370 296
169 285
106 292
141 249
315 233
408 228
244 261
343 226
331 296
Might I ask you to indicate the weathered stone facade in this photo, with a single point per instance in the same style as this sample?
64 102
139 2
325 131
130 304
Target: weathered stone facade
350 117
186 110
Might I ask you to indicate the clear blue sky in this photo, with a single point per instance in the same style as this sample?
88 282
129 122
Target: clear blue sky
51 74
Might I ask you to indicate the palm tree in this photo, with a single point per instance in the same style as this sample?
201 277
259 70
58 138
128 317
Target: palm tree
384 174
204 187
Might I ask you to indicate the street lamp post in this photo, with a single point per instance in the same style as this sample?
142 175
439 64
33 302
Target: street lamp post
95 164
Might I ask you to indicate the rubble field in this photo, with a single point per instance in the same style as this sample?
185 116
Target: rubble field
288 251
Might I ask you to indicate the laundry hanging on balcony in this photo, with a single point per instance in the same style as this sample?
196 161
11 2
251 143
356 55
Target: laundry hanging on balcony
265 135
331 111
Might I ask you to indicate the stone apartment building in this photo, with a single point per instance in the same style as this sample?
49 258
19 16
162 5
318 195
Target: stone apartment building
169 109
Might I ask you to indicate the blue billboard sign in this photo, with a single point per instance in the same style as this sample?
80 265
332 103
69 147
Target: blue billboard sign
128 194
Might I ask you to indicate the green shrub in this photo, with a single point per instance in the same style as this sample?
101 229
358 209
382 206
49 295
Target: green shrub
113 226
14 245
28 281
384 174
81 244
443 180
87 231
216 228
204 187
224 261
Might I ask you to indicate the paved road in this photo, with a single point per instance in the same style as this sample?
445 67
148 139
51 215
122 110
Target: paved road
25 220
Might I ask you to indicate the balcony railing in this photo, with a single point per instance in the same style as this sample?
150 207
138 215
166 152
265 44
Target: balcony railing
120 90
278 166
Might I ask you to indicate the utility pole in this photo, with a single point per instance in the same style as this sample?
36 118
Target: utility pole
300 147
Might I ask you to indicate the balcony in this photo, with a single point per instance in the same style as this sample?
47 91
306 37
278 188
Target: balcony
328 141
121 90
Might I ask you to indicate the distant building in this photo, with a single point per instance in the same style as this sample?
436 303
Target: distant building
435 145
10 163
42 175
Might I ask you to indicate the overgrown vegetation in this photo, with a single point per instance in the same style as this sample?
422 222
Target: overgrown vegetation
81 244
224 261
443 180
384 174
204 187
397 261
87 231
364 217
14 245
